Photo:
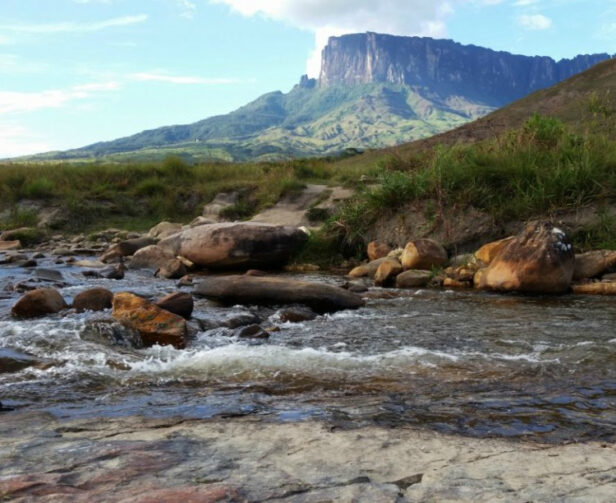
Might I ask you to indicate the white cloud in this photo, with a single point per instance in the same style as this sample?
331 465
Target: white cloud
187 8
535 22
69 27
525 3
17 101
17 140
173 79
327 18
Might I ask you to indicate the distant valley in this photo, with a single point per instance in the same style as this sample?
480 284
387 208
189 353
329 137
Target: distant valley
374 91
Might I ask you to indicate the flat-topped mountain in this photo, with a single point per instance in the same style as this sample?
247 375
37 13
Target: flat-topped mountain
373 91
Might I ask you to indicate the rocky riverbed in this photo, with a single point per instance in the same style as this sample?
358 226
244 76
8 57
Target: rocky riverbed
415 394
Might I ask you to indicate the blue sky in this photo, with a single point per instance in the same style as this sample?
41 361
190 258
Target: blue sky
73 72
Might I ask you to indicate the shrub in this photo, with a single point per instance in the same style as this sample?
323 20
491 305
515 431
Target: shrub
39 188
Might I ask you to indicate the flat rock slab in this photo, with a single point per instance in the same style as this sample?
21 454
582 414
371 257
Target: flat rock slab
269 291
137 460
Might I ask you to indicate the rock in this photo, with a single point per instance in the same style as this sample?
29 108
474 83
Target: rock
39 302
10 245
236 245
462 260
255 272
229 320
539 260
487 252
186 280
114 271
25 235
413 278
454 283
423 254
296 314
164 230
593 264
154 324
366 270
302 268
126 248
355 286
223 200
28 263
151 257
95 264
202 221
91 274
111 333
277 291
252 332
61 251
94 299
387 271
48 275
174 269
462 273
376 250
14 361
597 288
180 303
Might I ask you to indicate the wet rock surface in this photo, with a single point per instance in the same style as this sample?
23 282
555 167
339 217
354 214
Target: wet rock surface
241 460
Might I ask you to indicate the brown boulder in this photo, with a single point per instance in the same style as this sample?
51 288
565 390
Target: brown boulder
376 249
366 270
598 288
126 248
413 279
241 245
267 291
94 299
593 264
39 302
387 271
539 260
423 254
487 252
180 303
151 257
154 324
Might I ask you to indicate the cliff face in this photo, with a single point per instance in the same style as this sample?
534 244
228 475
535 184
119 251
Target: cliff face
442 68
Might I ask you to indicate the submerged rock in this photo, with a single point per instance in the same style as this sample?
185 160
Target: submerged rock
39 302
236 245
277 291
423 254
14 361
154 324
539 260
94 299
251 332
110 333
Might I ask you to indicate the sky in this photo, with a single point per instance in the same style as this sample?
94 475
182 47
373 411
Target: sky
74 72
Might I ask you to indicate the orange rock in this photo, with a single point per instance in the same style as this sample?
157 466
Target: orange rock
538 260
10 245
154 324
388 270
423 254
488 251
367 270
602 288
454 283
594 263
376 249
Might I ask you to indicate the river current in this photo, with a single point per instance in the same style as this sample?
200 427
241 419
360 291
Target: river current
539 368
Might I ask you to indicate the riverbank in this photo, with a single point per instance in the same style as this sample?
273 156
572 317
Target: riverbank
145 460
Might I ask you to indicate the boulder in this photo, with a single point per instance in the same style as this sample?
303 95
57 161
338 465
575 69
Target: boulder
376 249
387 271
114 271
593 264
414 278
126 248
10 245
173 269
236 245
538 260
267 291
366 270
487 252
48 275
154 324
39 302
110 333
598 288
94 299
296 314
151 257
180 303
251 332
164 230
423 254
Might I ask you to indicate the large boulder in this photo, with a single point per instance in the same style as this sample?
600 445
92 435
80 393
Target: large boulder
387 271
126 248
39 302
376 250
268 291
487 252
151 257
593 264
154 324
423 254
94 299
236 245
539 260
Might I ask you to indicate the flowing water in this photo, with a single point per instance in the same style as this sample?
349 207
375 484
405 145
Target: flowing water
477 364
